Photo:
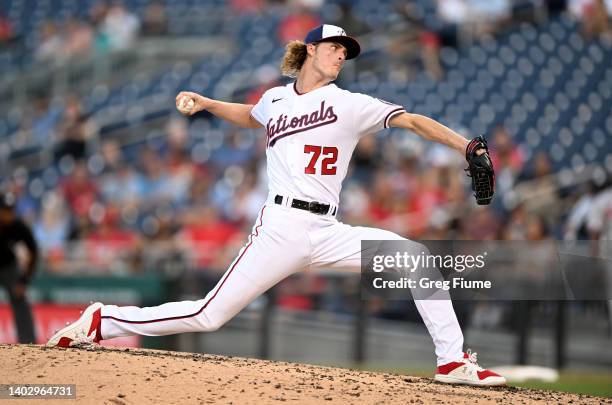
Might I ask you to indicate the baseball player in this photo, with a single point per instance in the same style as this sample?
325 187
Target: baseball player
312 128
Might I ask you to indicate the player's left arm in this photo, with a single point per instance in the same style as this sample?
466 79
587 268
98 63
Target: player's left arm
430 130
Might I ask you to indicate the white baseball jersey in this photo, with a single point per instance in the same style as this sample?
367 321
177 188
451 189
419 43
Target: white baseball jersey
311 137
310 140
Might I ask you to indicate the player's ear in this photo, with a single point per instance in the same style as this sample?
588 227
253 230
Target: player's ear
311 49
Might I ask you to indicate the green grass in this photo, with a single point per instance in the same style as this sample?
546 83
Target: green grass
599 384
590 383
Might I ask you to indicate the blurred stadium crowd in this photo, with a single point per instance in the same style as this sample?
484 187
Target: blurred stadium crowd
534 76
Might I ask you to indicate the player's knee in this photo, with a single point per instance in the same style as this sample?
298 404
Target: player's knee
211 324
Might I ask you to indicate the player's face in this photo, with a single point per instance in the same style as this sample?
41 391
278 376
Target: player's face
329 58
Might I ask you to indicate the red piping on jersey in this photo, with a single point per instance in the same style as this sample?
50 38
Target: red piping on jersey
392 112
301 94
296 90
253 235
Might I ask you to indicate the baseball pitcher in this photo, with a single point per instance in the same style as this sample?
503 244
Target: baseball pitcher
312 128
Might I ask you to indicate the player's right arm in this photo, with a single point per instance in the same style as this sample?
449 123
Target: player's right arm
236 113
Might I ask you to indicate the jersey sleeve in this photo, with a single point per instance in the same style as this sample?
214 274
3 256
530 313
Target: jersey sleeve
260 111
373 114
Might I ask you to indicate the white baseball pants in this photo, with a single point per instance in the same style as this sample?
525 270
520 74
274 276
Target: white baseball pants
283 241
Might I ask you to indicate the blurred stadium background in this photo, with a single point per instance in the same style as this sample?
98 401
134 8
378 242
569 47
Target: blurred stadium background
133 204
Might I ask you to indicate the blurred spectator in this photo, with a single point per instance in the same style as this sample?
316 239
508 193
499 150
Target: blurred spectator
489 16
247 201
74 131
101 40
297 24
599 219
120 26
594 15
536 229
597 18
266 77
52 228
235 151
46 117
366 159
349 21
157 185
516 224
382 196
247 6
166 257
24 206
199 193
204 236
112 155
293 294
123 187
504 153
430 54
50 44
6 31
154 20
482 17
79 191
507 160
480 224
181 174
426 197
109 247
575 226
539 190
454 11
79 37
453 14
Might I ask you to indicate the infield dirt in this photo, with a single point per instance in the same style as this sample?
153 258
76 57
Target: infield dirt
139 376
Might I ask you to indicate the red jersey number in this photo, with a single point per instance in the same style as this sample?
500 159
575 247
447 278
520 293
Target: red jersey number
330 154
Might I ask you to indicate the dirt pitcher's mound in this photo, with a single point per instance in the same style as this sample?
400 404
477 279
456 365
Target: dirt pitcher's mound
128 376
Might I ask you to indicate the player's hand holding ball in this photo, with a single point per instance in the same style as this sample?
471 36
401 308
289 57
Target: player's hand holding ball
189 103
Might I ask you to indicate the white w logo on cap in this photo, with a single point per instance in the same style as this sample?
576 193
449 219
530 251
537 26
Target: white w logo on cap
332 30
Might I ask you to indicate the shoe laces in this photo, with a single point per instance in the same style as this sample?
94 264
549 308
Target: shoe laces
81 340
472 358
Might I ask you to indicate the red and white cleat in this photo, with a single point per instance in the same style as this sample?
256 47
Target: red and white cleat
467 371
83 332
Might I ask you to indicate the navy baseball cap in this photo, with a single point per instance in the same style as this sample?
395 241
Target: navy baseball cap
332 33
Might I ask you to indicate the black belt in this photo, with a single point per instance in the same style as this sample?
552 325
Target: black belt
312 206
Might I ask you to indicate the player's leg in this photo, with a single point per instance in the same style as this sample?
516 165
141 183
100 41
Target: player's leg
270 255
337 245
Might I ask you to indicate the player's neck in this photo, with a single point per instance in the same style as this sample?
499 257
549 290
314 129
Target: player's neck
308 81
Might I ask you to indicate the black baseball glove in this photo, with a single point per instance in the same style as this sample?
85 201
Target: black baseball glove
480 169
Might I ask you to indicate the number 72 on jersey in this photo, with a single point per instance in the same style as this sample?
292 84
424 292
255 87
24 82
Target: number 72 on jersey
330 156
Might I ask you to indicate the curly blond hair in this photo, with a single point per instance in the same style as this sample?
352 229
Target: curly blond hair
295 55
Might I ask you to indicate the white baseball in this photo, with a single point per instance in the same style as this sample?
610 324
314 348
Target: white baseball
186 104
